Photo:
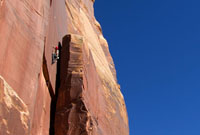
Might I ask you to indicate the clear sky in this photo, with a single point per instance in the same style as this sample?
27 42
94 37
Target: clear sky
155 45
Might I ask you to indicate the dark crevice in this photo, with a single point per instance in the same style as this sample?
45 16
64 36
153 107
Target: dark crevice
46 72
46 76
50 2
54 99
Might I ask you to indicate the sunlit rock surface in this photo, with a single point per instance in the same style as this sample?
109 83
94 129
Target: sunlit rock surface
77 95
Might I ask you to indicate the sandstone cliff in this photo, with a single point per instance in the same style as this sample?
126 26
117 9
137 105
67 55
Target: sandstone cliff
77 95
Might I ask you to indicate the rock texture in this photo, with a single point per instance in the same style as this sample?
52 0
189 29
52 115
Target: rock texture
77 95
12 108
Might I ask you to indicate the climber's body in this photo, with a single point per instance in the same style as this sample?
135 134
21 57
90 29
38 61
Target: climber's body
55 54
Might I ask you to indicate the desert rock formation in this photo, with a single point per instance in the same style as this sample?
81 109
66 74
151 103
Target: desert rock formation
78 94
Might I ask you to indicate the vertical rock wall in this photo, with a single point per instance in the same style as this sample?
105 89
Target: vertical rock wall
23 27
88 97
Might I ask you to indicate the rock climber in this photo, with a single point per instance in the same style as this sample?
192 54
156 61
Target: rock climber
55 54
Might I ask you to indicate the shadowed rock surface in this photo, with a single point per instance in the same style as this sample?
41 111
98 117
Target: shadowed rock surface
78 94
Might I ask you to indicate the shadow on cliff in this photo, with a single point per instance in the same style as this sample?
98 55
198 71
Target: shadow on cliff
55 97
61 85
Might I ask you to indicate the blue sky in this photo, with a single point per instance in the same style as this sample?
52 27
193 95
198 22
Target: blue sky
155 45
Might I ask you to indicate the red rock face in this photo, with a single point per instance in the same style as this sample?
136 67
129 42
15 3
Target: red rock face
79 93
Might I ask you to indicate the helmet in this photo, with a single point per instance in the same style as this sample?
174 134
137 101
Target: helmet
56 47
